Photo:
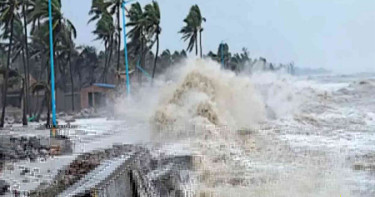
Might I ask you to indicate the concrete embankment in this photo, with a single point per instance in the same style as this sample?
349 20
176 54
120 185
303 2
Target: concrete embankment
123 170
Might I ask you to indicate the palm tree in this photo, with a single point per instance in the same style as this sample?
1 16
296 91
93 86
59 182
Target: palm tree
67 51
38 17
137 33
152 21
105 29
200 29
25 4
8 10
223 54
87 61
192 28
115 9
19 50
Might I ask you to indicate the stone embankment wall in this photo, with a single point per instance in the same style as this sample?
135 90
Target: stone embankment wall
141 174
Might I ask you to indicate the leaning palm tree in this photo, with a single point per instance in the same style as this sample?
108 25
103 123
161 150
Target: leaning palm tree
8 13
152 21
38 16
115 9
67 50
137 33
87 60
193 28
105 29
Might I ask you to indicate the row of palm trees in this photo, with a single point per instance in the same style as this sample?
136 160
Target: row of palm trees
32 45
145 28
144 33
15 18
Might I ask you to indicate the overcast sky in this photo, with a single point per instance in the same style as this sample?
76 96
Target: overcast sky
338 35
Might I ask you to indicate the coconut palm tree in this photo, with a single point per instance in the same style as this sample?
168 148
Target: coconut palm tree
137 33
152 25
223 54
8 13
105 29
115 9
18 49
25 4
87 61
67 50
193 28
200 29
38 16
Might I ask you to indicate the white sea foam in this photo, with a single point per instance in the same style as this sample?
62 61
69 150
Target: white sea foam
301 150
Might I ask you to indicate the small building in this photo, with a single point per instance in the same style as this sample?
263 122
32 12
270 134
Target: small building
95 95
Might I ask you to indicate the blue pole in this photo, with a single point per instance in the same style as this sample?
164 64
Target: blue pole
52 65
125 50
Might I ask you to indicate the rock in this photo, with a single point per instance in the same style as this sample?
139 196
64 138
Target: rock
43 117
43 151
25 171
17 119
19 150
69 119
9 120
61 114
33 154
4 187
77 115
10 167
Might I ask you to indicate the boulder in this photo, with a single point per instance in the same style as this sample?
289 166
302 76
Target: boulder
4 187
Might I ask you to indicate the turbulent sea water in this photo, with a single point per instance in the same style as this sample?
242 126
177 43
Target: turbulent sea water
267 134
264 134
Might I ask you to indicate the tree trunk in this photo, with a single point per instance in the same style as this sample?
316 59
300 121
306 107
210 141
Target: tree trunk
156 56
119 44
71 80
27 71
40 109
200 41
37 103
48 100
196 45
109 60
48 109
142 62
105 60
5 88
23 93
24 116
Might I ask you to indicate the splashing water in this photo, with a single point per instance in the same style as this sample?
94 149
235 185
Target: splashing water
209 95
263 135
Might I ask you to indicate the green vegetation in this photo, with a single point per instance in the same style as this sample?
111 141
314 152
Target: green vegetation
24 47
193 28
